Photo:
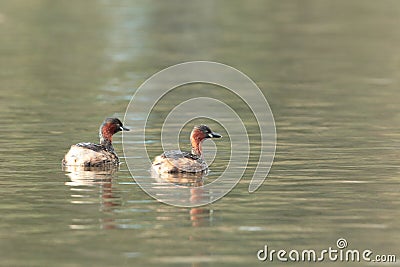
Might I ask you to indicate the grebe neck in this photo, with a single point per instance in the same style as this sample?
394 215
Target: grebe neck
197 150
197 140
106 138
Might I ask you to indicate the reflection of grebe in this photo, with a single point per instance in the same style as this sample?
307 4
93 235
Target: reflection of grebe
199 216
176 161
95 155
86 184
180 178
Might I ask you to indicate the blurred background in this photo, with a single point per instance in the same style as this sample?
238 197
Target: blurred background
329 69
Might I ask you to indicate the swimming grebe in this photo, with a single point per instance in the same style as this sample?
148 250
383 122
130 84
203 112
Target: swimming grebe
176 161
96 155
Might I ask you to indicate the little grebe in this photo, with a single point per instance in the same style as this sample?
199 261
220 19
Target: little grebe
96 155
176 161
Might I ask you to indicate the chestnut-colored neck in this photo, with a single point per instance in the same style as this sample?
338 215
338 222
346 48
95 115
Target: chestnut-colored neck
106 133
196 139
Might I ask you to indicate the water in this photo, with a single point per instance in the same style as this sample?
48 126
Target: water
329 69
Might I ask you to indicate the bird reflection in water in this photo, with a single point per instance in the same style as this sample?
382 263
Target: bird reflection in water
86 184
199 216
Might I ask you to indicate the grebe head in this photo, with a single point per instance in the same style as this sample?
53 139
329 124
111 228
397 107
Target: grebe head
109 127
198 135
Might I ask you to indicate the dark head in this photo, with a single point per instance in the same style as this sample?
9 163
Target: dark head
108 128
198 135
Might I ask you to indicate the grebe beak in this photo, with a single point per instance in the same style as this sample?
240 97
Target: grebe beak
214 135
122 128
